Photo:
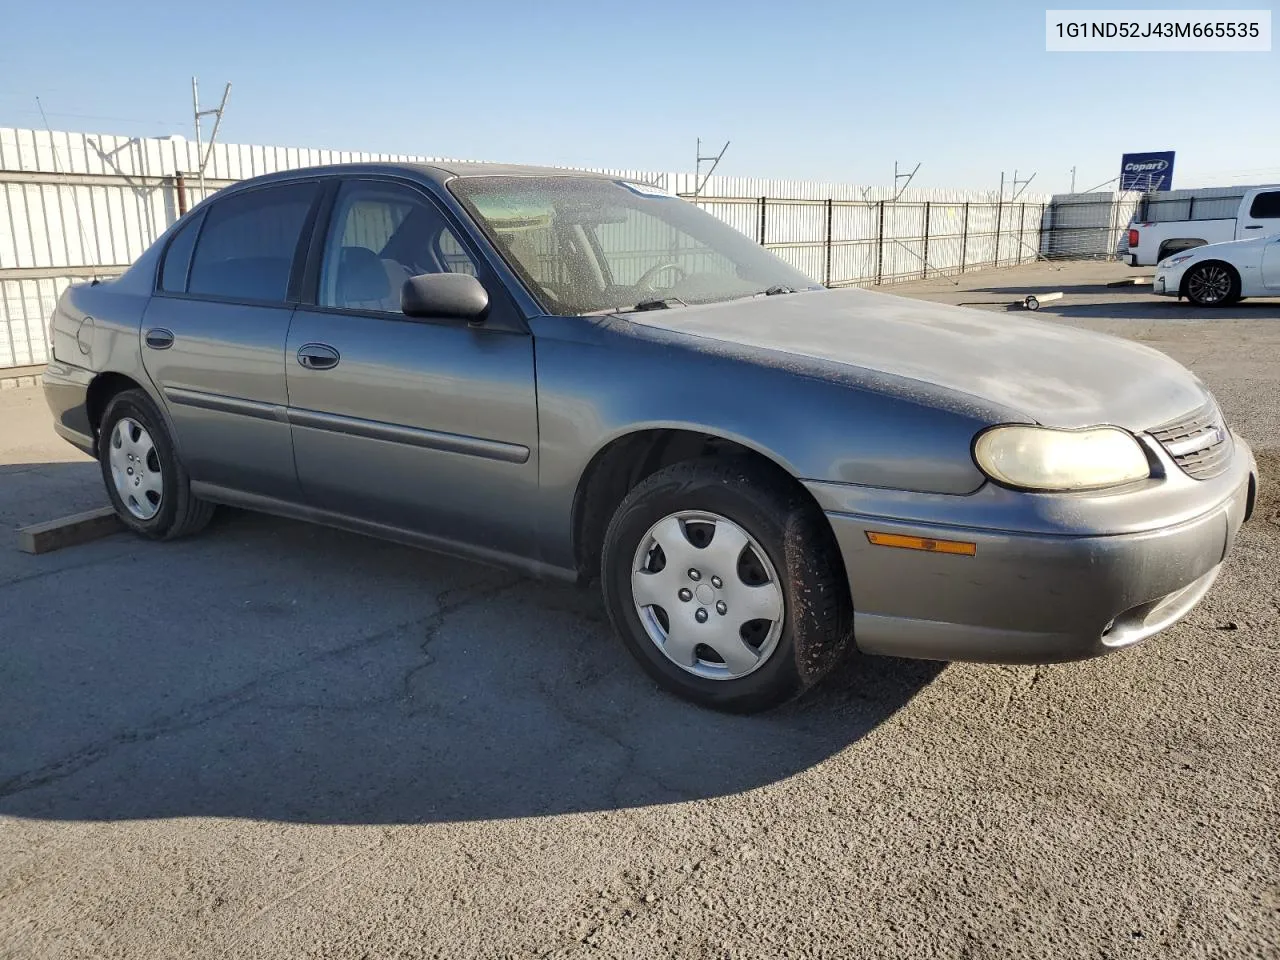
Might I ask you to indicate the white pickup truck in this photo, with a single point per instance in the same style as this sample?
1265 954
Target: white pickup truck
1166 224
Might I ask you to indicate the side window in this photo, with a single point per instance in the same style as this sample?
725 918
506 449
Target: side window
173 273
1266 206
380 235
247 246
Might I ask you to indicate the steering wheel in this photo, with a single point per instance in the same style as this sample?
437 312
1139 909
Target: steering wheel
646 278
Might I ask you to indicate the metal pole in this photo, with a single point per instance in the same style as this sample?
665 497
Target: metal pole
180 187
195 108
925 275
1073 179
226 92
827 274
762 205
880 247
1022 226
999 211
1111 235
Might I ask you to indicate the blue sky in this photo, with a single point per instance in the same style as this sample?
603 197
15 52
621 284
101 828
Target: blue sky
803 89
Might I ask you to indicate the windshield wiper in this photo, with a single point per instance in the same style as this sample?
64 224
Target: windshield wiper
778 288
659 303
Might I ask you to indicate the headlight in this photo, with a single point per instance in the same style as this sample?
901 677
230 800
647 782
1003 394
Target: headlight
1174 261
1038 458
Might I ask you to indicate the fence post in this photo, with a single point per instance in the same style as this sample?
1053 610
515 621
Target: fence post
1111 234
964 239
180 188
827 272
999 227
762 206
1022 225
880 247
925 259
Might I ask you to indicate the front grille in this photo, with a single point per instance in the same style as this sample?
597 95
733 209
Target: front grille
1199 442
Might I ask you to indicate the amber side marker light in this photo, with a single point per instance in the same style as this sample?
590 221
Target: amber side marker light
958 547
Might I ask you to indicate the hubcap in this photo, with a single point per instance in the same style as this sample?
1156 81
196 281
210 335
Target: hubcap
1209 284
135 468
707 595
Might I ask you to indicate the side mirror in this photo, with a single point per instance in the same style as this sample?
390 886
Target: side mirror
453 296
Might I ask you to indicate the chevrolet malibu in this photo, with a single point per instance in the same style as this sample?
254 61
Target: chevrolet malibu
583 377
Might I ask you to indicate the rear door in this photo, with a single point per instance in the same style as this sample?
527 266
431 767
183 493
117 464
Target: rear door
425 426
214 336
1261 218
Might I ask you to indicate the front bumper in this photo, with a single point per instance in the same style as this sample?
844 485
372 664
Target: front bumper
1168 282
1044 594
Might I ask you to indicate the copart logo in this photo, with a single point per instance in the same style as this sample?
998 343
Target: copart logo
1147 166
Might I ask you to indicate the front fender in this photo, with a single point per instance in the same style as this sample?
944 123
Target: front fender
597 385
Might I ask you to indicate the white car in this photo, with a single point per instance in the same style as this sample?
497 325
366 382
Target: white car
1220 273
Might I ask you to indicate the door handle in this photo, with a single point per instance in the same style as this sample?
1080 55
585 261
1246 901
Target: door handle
318 356
158 338
1254 226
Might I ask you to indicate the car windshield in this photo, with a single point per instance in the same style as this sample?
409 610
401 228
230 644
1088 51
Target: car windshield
589 245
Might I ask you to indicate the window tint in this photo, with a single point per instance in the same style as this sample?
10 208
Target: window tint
173 274
380 236
1266 205
248 242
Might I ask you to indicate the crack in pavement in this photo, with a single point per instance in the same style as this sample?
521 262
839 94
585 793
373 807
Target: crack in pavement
631 765
215 707
102 561
445 608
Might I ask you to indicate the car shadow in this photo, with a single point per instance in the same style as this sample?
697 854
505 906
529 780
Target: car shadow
1014 291
281 671
1167 310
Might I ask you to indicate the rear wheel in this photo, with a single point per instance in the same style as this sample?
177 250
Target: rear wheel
145 480
1212 284
725 582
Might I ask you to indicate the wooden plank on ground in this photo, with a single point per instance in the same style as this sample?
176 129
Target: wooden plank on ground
68 531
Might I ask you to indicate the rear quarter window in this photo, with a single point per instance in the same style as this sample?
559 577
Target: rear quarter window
177 259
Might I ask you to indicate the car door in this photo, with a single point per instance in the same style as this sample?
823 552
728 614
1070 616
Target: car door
1271 266
419 425
214 336
1262 218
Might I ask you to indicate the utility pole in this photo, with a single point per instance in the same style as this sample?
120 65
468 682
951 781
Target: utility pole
1073 179
699 181
201 154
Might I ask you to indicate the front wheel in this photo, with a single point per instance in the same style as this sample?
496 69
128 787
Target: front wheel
1212 285
145 480
725 583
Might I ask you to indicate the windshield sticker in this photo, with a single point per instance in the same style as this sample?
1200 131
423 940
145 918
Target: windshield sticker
644 189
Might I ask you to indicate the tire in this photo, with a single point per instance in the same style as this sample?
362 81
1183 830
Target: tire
767 660
156 501
1212 284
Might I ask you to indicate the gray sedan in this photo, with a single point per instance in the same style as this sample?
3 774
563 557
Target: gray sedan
583 377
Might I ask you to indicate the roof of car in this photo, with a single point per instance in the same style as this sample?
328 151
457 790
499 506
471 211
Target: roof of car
438 170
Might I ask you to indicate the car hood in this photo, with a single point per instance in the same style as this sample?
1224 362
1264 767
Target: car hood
1054 375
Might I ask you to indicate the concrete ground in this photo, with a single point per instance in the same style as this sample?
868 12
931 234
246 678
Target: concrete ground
277 740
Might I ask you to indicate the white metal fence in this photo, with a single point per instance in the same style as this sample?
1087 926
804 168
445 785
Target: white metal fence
75 206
